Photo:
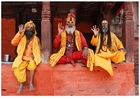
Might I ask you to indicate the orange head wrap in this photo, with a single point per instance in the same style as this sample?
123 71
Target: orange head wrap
30 22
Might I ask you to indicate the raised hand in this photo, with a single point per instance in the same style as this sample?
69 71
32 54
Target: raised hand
95 30
21 28
60 28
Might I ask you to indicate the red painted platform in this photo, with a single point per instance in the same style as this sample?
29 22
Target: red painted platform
66 80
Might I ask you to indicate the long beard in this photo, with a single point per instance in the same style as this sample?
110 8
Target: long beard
105 30
70 29
29 34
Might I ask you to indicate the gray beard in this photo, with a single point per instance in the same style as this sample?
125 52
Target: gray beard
105 30
70 30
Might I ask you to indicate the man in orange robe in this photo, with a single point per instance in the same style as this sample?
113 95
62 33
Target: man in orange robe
29 54
73 46
108 47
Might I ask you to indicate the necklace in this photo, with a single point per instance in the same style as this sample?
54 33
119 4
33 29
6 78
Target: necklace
69 42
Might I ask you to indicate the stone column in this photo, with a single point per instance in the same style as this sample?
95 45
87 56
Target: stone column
128 31
46 32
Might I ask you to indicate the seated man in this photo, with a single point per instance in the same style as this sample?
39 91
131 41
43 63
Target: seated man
29 53
73 45
108 47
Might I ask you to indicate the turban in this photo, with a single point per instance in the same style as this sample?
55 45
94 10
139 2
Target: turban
71 18
30 22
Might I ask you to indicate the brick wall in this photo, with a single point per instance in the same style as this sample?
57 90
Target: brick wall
66 80
8 32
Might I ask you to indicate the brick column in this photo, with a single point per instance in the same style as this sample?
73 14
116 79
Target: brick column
46 32
128 31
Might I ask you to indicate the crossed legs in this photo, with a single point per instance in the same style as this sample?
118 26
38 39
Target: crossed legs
75 56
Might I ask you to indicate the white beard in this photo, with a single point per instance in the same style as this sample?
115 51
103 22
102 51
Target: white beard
70 30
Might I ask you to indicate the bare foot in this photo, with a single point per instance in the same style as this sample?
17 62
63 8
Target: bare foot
31 87
21 86
73 63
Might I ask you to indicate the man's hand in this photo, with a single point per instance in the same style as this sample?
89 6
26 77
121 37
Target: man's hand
122 49
21 28
32 57
85 53
60 28
95 30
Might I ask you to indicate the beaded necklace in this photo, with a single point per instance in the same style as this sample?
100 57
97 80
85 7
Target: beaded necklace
70 42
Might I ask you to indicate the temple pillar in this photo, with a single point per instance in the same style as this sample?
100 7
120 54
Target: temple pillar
46 42
128 31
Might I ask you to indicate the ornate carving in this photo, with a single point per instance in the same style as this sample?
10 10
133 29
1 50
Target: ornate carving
128 6
46 13
46 32
128 13
128 31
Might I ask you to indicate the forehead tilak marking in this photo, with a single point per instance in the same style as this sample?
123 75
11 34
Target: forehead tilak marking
30 25
104 21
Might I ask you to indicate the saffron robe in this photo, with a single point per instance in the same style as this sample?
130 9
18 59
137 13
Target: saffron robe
54 58
20 41
104 56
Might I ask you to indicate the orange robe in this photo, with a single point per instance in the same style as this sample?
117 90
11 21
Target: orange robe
26 53
104 58
29 56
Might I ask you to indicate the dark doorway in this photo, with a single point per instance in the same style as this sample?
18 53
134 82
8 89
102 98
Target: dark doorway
88 37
